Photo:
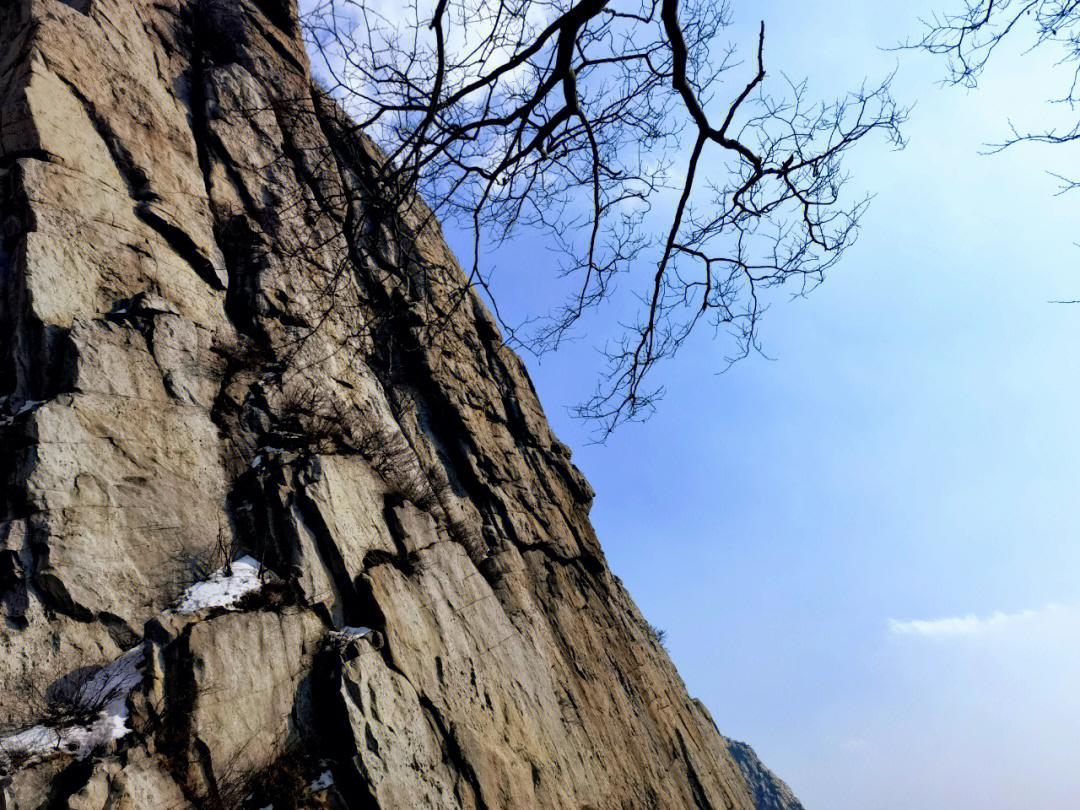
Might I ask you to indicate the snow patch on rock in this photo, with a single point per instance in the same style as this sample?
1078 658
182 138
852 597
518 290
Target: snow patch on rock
347 634
106 691
324 781
222 589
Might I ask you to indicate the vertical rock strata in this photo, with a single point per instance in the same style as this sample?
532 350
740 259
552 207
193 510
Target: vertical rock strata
177 206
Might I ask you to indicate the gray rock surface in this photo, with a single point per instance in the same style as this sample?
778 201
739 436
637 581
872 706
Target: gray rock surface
769 791
177 205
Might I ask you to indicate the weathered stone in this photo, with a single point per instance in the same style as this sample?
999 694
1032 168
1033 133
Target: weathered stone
415 529
769 791
122 487
348 499
249 678
399 750
92 795
28 789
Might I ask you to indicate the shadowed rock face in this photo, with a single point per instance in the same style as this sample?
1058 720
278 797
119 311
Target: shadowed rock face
178 205
767 789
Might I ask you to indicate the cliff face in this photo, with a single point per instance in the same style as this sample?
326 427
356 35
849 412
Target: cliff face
215 482
768 791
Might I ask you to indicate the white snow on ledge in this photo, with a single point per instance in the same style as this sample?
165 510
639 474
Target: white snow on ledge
324 781
106 690
347 634
222 590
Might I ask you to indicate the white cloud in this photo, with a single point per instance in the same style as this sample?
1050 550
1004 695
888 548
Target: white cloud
972 625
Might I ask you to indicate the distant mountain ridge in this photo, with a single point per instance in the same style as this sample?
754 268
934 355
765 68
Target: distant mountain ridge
768 790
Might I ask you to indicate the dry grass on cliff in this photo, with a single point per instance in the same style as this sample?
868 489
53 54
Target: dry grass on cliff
659 635
189 566
43 699
310 420
283 782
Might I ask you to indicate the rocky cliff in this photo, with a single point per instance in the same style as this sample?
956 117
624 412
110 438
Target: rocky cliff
283 522
766 788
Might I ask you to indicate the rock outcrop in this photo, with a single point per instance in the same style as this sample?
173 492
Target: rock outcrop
212 347
769 791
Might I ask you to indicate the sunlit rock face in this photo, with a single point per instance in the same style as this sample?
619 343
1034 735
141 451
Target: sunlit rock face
335 555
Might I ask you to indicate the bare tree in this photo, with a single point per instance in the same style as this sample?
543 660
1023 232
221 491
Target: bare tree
646 153
969 37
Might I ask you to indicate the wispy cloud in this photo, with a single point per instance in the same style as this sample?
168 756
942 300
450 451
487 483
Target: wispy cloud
970 625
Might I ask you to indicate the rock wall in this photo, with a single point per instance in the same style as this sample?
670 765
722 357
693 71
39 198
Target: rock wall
768 791
211 347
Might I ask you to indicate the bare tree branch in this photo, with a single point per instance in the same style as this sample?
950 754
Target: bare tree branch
565 119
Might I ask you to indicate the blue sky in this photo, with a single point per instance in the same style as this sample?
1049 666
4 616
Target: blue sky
864 550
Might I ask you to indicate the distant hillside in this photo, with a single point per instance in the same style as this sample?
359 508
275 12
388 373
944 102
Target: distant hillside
768 790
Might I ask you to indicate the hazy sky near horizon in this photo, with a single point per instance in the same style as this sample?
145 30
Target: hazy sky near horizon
865 550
